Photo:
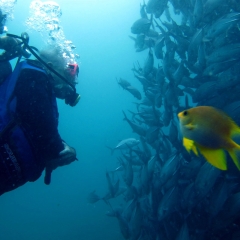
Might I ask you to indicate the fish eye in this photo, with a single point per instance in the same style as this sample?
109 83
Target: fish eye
185 113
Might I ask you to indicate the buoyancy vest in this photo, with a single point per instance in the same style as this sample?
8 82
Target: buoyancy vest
23 169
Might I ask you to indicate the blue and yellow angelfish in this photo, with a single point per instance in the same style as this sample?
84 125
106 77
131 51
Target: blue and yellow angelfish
210 131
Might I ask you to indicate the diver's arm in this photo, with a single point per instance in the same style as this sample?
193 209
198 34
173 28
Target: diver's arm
38 114
36 108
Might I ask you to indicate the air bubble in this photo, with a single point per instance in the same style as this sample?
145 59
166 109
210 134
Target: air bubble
7 7
45 19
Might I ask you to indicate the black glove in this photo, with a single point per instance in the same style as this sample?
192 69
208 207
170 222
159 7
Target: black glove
66 156
13 48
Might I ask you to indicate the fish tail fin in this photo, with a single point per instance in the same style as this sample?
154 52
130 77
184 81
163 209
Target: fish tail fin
125 116
112 149
235 155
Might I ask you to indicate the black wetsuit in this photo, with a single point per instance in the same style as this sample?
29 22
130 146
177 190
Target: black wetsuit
38 117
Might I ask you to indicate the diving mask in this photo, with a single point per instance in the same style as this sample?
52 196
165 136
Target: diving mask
73 70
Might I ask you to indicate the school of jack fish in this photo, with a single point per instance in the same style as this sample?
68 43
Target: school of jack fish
179 179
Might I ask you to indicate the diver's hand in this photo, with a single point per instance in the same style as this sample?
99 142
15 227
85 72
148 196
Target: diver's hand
9 44
66 156
13 48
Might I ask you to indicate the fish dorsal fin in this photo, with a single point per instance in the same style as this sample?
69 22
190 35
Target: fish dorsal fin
216 157
190 145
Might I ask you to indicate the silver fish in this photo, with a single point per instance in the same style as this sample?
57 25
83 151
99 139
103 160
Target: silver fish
142 25
125 144
168 203
183 233
205 180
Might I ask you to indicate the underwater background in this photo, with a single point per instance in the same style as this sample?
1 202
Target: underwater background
141 63
99 30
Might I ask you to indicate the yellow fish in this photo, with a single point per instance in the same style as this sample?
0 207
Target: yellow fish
210 131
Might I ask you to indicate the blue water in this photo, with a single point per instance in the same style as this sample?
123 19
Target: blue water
100 31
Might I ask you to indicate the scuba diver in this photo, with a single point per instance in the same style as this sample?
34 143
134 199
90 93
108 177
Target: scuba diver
29 137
